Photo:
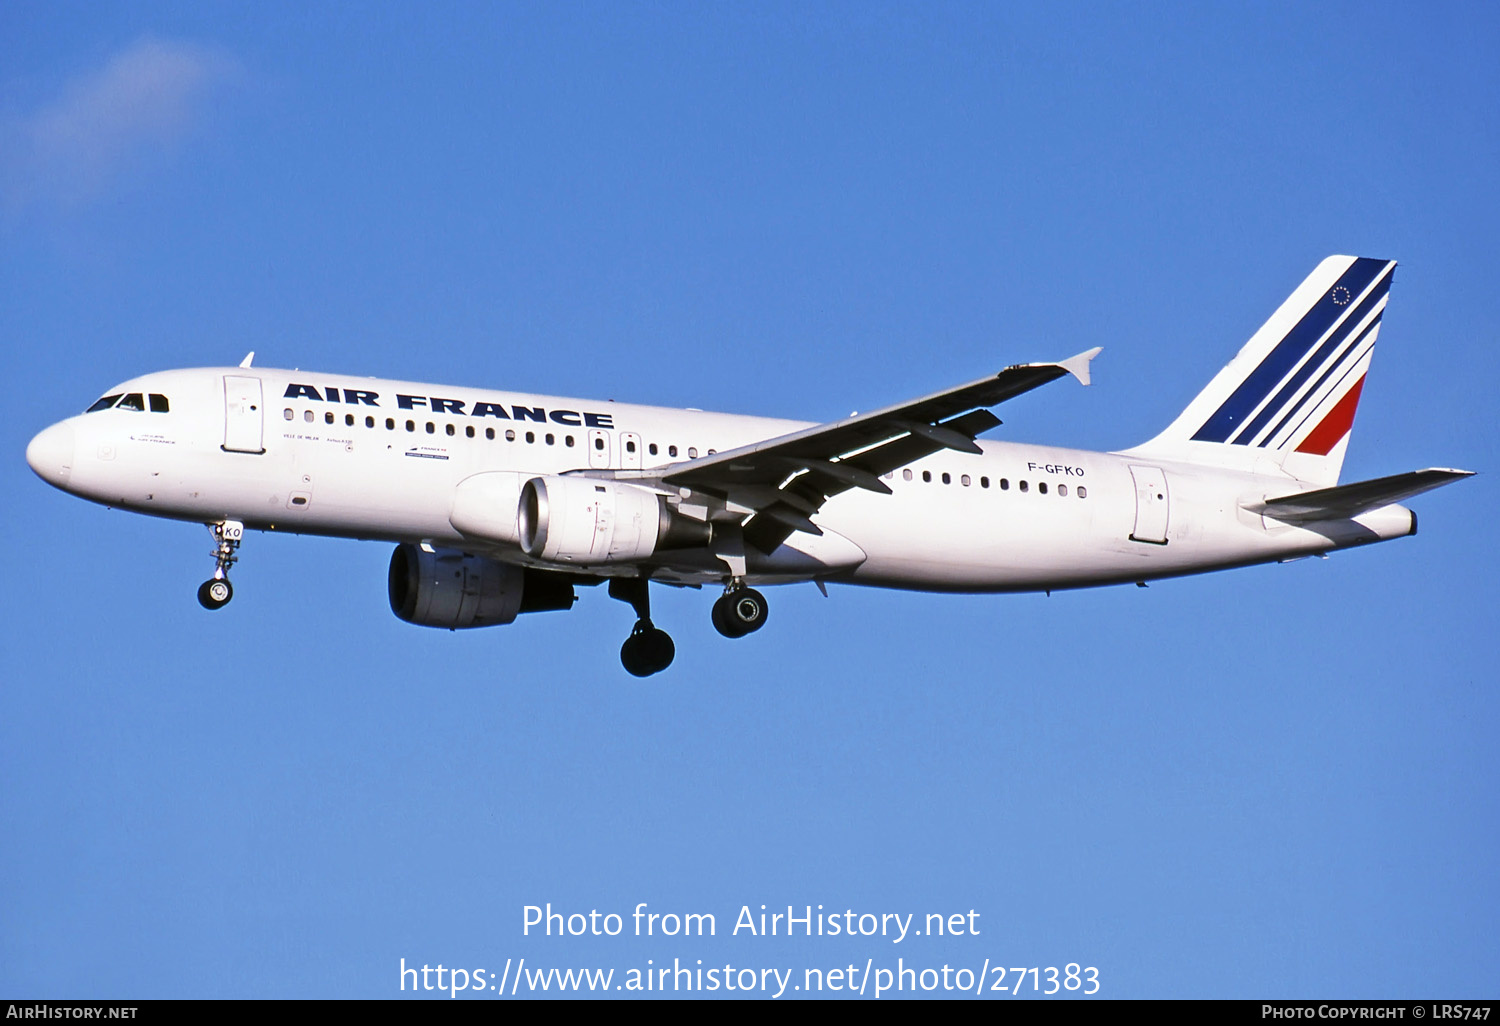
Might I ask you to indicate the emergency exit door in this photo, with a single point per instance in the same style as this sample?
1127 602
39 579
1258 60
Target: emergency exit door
630 450
599 449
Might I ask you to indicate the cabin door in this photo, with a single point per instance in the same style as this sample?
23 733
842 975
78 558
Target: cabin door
244 415
1151 505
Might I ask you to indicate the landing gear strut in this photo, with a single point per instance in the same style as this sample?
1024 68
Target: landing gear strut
649 649
216 592
739 611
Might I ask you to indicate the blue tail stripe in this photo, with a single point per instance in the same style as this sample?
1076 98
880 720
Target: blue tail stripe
1325 351
1321 380
1288 351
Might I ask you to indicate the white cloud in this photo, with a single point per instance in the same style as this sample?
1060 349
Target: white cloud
142 102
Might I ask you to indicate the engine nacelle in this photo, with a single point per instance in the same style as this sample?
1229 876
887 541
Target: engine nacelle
484 505
448 588
586 520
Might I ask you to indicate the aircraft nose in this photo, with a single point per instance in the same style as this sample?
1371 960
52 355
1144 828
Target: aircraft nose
51 454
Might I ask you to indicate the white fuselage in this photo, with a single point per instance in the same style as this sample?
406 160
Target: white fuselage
378 459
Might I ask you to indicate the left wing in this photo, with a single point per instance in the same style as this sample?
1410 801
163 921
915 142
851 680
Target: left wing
782 481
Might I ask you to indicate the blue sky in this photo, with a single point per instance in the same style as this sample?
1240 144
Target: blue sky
1277 781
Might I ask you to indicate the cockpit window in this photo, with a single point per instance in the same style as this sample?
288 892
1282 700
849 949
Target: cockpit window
133 401
104 404
158 403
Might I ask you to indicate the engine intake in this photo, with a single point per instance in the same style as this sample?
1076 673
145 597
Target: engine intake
586 520
449 588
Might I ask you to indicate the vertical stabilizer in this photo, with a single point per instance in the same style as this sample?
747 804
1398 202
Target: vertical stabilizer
1286 402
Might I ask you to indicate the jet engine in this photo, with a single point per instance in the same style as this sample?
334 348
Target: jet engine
587 520
449 588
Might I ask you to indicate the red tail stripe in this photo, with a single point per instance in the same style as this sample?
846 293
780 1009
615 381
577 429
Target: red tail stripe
1334 426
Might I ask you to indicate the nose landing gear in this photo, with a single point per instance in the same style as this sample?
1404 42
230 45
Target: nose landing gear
216 592
739 611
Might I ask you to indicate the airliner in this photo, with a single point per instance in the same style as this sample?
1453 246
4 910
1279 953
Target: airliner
501 503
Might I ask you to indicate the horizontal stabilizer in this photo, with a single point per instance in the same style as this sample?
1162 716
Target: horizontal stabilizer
1351 500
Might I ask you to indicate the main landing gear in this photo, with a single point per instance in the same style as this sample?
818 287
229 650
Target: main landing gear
649 649
739 611
216 592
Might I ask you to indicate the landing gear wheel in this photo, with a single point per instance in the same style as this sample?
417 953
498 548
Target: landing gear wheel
721 625
215 593
648 650
740 612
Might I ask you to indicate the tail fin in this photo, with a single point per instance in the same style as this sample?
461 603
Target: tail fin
1285 403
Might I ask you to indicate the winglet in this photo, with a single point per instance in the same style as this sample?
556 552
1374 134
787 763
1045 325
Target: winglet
248 357
1078 366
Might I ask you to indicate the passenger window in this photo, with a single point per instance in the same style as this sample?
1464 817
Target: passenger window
1041 487
692 452
927 476
510 436
158 403
133 401
348 420
984 482
551 438
431 428
390 424
906 474
1062 490
489 433
1023 486
452 430
328 417
965 480
629 446
307 415
530 437
469 430
411 425
1083 493
1005 484
599 444
568 441
947 479
110 400
651 448
369 422
671 450
287 413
